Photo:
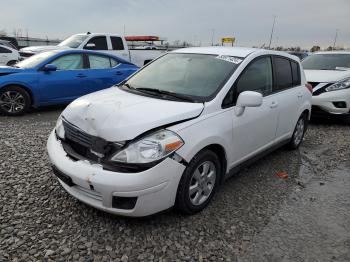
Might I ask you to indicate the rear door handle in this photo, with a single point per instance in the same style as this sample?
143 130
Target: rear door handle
273 105
300 95
81 75
119 73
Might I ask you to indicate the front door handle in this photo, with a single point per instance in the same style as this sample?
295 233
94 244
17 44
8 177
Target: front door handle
119 73
81 75
273 104
300 95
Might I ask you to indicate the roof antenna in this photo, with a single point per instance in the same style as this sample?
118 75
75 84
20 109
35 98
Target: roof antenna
88 33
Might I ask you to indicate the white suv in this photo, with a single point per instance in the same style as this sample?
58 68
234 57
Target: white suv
329 74
171 133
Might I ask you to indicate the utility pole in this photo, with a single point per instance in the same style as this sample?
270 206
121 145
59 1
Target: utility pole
273 27
212 37
124 29
335 38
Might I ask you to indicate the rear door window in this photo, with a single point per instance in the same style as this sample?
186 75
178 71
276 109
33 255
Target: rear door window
283 73
117 43
99 62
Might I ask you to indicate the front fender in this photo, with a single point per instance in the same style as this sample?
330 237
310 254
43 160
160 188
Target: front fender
27 85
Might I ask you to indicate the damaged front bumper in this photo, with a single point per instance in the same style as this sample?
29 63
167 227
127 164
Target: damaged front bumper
129 194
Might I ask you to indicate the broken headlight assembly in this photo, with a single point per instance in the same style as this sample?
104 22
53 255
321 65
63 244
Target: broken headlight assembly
342 84
59 129
150 148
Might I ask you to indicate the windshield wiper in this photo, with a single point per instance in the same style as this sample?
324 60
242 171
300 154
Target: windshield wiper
166 93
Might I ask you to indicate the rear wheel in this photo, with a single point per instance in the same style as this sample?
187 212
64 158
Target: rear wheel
198 183
14 101
299 132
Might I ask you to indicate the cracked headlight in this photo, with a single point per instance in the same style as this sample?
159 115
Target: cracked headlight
342 84
59 129
150 148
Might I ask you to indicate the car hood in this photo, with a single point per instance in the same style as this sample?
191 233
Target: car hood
38 49
9 70
117 115
326 76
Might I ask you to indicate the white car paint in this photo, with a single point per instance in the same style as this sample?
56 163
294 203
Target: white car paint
137 57
323 78
117 115
8 54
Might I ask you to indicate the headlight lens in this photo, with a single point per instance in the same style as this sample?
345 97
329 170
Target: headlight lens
150 148
59 128
345 83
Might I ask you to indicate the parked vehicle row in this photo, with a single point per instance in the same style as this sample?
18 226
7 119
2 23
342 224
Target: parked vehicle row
175 130
58 77
106 43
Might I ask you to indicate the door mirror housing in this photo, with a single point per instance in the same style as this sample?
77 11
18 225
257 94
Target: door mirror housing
90 46
49 68
248 99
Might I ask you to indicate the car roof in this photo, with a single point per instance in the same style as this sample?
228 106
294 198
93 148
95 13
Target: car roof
233 51
219 50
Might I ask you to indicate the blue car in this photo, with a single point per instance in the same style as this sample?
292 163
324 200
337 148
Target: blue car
58 77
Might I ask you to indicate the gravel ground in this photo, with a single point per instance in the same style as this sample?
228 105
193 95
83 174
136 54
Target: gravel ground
40 221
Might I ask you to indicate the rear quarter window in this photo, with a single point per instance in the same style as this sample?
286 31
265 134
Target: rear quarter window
295 73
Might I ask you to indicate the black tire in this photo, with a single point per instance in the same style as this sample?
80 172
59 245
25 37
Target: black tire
14 107
11 63
298 137
184 201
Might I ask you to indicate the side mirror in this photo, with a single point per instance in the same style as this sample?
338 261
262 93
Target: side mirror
49 68
248 99
90 46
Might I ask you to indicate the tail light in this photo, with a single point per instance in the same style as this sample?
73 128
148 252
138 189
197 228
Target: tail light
309 87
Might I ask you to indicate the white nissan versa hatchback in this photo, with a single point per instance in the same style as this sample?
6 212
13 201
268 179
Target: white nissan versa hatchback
170 134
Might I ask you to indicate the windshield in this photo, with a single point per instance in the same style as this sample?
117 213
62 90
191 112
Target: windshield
73 41
35 60
193 75
326 61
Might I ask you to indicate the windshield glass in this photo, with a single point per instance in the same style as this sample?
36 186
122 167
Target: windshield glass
35 60
326 61
194 75
73 41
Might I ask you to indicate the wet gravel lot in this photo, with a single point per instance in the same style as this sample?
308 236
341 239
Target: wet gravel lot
256 216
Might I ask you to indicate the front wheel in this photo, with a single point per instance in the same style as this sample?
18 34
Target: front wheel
14 101
299 132
198 183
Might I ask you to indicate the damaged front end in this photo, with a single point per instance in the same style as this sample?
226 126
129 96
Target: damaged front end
132 156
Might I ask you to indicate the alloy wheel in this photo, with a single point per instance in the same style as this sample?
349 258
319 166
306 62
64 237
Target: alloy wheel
12 101
202 183
299 131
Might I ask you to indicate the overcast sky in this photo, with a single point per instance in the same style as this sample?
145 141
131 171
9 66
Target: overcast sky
298 23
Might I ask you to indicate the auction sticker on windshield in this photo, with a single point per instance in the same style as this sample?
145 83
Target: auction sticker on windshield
230 59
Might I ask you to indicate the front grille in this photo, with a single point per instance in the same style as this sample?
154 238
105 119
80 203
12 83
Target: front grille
75 134
25 54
